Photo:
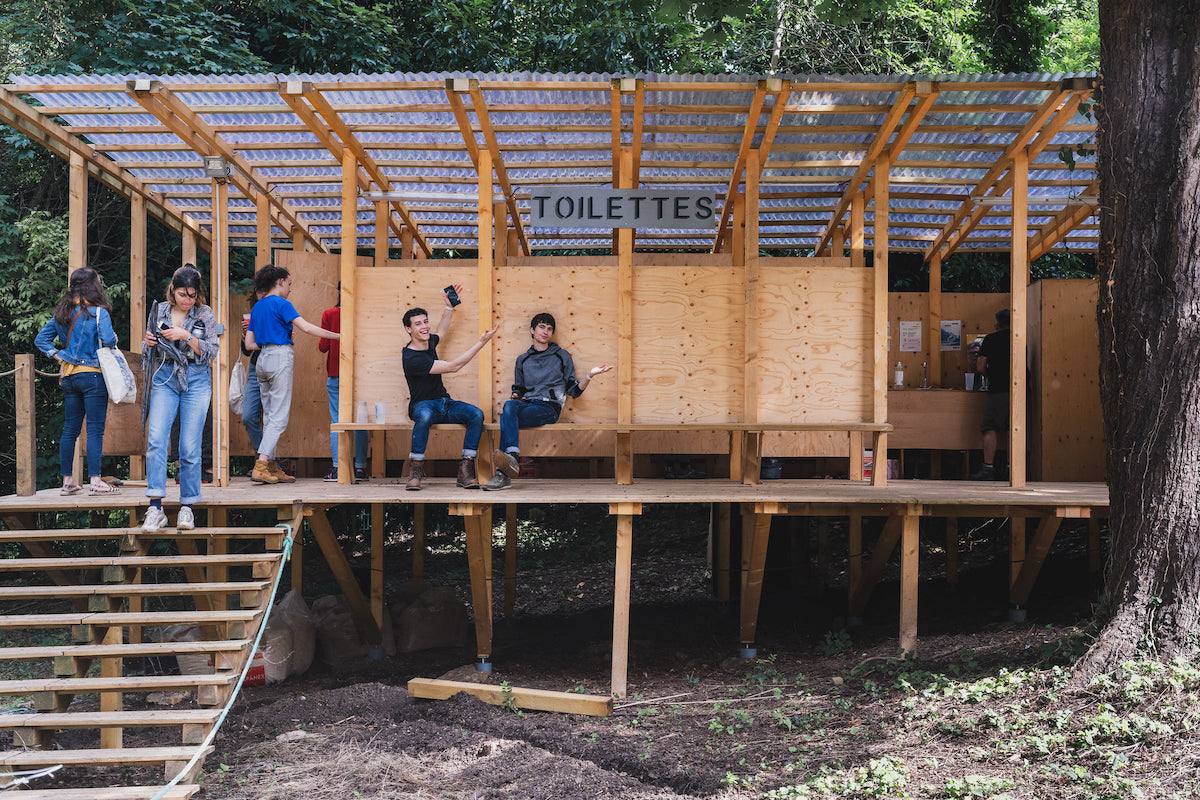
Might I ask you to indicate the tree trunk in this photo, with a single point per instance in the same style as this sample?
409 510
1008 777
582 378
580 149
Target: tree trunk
1149 316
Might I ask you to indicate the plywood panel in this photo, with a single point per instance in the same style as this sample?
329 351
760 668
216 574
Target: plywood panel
975 311
583 301
385 293
939 419
1066 382
687 347
978 314
815 338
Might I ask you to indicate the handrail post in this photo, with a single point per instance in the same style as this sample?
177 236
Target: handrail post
26 426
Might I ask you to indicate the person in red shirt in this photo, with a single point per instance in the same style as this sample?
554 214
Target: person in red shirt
331 320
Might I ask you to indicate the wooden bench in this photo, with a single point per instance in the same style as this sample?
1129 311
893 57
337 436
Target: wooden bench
745 442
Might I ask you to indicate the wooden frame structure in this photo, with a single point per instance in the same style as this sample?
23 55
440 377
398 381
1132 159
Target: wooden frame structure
416 166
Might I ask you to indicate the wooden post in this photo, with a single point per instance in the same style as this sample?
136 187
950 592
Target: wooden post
26 408
360 606
622 583
1016 549
756 532
625 305
935 321
485 282
1020 317
501 246
418 553
738 236
347 261
753 451
858 234
406 243
477 521
854 565
262 230
77 211
137 297
880 315
296 561
219 293
187 246
910 549
510 558
111 738
377 563
382 212
721 551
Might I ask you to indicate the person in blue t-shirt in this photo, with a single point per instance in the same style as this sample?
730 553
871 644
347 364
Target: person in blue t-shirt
270 331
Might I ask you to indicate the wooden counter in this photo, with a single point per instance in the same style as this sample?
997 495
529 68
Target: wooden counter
937 419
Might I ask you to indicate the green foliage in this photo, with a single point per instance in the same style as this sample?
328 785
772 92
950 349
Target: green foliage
835 642
880 778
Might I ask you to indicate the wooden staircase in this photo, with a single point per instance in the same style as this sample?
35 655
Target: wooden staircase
88 706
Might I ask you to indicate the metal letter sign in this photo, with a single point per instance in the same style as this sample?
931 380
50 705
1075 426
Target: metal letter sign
597 207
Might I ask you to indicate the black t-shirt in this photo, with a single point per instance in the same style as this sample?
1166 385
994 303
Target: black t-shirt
997 349
421 384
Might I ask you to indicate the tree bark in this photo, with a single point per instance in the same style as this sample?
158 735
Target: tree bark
1149 317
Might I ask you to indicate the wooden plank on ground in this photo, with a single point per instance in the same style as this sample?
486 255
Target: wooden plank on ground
515 697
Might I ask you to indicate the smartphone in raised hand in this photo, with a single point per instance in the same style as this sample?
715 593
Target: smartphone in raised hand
452 296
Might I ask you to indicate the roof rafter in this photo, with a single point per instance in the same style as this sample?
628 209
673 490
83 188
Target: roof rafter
173 113
739 163
928 93
337 137
1051 117
27 120
1061 225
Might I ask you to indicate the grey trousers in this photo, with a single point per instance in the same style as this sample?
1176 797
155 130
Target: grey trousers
275 385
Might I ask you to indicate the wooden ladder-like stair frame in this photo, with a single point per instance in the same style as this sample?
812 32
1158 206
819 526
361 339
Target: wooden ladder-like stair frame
108 594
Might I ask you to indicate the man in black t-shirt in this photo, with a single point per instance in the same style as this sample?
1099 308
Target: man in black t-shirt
429 403
995 355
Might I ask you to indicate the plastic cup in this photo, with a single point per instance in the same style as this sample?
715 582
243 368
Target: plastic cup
360 412
970 381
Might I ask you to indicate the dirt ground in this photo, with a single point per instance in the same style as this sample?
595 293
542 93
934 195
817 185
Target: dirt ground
698 722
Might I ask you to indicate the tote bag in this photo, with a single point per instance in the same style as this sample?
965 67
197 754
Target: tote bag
237 386
118 378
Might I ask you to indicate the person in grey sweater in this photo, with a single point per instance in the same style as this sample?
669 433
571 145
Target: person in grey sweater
544 377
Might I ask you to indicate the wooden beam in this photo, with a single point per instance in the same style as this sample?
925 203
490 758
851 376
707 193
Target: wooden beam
477 521
935 321
26 423
625 305
360 606
860 594
493 146
262 231
222 365
510 558
858 233
1063 223
879 315
750 342
1018 359
513 697
349 315
377 565
739 163
484 285
622 582
910 550
1035 557
756 532
381 233
928 93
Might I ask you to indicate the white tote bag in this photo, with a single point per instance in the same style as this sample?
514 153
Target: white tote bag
118 378
237 386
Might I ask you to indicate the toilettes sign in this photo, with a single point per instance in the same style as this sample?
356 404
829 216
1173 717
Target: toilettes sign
598 207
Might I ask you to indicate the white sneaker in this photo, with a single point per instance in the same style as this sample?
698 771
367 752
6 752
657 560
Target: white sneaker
156 520
186 520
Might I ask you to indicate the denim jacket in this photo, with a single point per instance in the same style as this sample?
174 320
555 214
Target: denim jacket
81 349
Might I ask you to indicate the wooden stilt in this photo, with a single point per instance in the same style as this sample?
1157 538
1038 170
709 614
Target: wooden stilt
755 535
883 550
418 552
622 583
854 561
1034 558
510 558
1016 549
910 551
360 606
377 563
476 521
721 551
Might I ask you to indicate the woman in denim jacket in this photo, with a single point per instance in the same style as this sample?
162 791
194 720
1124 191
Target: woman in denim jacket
82 323
180 343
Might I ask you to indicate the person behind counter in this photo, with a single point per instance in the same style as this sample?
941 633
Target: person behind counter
270 330
993 362
81 323
180 343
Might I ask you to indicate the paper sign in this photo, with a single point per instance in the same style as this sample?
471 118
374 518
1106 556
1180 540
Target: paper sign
952 334
910 336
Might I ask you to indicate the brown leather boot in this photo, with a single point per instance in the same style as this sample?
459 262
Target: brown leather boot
262 473
466 474
280 475
416 471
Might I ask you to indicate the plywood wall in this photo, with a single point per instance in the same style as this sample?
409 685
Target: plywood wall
1065 422
975 311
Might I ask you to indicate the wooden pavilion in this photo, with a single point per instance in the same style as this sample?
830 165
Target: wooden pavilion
767 332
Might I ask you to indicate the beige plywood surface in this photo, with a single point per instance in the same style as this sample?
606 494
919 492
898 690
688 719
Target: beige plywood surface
687 344
815 337
976 312
939 419
583 302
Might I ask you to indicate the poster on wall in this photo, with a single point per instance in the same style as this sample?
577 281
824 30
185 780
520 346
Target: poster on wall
952 334
910 336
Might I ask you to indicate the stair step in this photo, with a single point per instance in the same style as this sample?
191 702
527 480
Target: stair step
112 619
181 791
124 650
129 589
111 719
98 562
104 534
132 683
25 759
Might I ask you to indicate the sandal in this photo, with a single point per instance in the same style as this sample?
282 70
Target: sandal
103 488
69 490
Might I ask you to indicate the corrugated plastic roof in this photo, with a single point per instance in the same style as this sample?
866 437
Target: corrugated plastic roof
692 132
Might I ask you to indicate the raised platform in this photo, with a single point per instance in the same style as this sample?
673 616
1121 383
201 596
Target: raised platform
821 497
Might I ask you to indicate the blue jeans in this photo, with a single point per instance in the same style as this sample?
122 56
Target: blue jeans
360 437
252 408
519 414
84 395
433 412
166 400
